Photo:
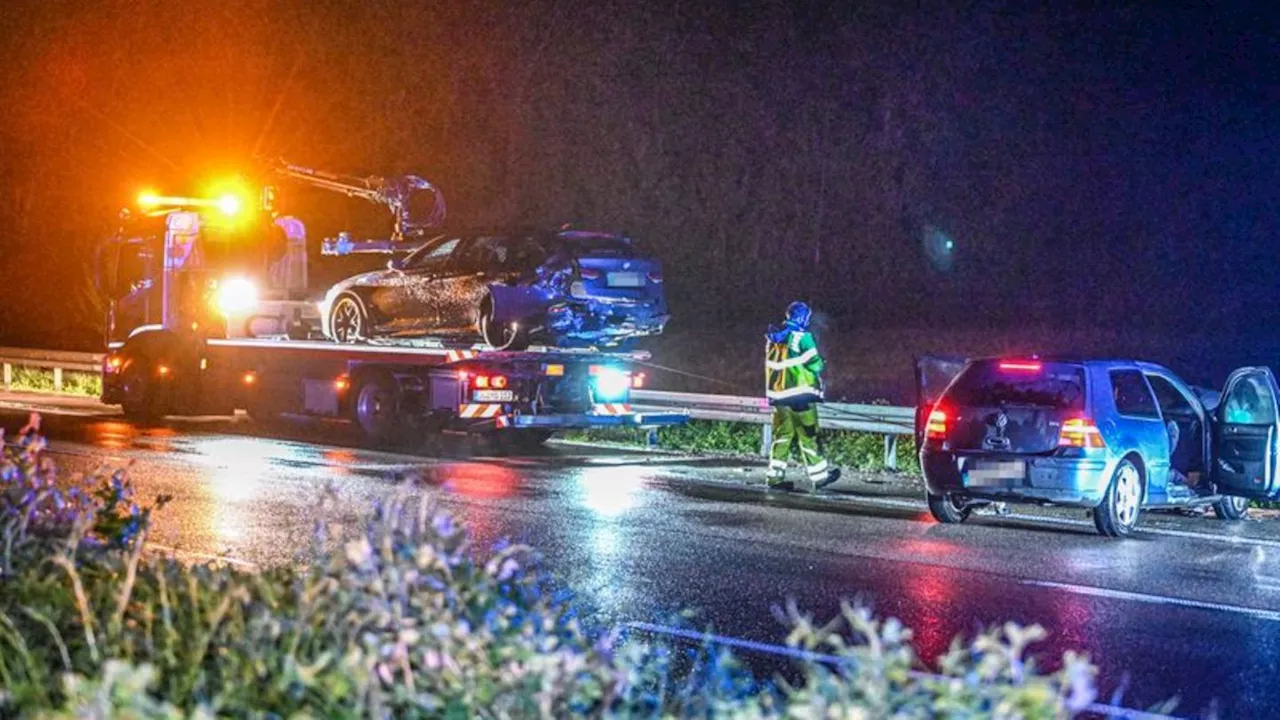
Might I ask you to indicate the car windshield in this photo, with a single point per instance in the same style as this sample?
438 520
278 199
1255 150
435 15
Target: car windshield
1058 386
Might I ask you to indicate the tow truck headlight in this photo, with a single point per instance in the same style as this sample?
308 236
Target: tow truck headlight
235 296
611 384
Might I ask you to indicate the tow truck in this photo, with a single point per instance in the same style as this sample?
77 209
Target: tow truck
208 312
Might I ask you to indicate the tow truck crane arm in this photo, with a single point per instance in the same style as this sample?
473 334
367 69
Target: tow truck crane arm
404 196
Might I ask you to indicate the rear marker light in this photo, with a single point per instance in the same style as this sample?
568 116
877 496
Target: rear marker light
342 383
1080 433
250 378
936 428
1021 366
555 370
637 381
163 370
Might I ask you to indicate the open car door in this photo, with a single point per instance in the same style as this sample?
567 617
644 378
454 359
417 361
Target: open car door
933 374
1245 435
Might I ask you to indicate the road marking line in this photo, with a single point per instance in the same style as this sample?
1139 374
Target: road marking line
1259 613
1111 711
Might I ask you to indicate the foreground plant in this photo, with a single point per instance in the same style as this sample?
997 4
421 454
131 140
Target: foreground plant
401 620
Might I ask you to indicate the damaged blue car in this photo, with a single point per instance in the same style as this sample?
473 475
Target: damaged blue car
563 288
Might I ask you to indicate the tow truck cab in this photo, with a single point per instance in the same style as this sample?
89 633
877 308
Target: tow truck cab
209 314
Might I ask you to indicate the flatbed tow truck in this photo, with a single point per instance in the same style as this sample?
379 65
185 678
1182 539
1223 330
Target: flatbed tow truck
208 314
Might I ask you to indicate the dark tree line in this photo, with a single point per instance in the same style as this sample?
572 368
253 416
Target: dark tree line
765 150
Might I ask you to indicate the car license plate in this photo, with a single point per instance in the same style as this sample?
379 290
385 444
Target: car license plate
492 396
1001 473
625 279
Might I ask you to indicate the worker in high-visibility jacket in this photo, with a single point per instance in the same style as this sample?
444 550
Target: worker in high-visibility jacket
793 384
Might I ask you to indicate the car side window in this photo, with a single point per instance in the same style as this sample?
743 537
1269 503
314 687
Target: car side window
1249 402
1172 401
436 255
1132 396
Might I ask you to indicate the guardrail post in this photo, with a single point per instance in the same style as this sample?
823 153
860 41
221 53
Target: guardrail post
891 452
8 375
57 379
766 441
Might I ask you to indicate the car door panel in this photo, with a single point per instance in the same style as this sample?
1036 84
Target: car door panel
1245 435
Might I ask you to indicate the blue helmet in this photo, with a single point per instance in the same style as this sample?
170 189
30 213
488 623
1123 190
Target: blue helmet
798 314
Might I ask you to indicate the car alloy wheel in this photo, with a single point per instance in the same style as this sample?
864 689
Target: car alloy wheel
346 321
1128 495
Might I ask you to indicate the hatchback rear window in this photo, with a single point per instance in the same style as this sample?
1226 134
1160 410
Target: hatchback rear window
1057 386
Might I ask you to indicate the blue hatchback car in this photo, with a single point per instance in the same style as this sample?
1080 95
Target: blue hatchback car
1115 436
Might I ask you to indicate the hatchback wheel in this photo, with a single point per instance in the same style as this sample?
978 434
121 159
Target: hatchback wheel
1231 508
1117 514
947 508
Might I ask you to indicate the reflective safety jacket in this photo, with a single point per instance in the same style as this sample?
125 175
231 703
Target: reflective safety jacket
792 366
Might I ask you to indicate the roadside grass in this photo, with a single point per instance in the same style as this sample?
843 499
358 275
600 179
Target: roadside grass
399 618
858 451
41 380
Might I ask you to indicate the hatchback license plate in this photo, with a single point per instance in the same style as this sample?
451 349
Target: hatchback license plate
625 279
493 396
980 474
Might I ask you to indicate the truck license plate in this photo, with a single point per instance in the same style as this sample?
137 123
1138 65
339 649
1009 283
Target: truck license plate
493 396
986 474
625 279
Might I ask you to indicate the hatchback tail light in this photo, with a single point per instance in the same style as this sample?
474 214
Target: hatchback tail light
936 427
1080 433
655 276
589 274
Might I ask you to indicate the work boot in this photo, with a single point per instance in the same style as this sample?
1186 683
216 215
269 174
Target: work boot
831 477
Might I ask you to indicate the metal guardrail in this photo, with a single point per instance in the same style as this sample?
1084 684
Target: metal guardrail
889 421
56 360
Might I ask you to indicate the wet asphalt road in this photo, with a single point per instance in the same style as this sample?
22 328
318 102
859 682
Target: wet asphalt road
1189 608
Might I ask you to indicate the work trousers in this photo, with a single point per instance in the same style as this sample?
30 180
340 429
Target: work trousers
798 425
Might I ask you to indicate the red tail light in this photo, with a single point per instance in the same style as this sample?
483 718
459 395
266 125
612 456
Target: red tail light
655 277
936 427
481 381
485 381
1021 366
498 381
1080 433
589 274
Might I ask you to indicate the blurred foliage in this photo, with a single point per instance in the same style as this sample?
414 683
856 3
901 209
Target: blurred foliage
399 619
859 451
41 380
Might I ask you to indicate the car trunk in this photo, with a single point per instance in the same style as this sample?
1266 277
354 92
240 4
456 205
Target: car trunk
617 279
1012 407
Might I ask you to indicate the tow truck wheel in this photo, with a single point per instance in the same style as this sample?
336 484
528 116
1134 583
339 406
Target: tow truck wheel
347 320
140 401
1231 508
375 406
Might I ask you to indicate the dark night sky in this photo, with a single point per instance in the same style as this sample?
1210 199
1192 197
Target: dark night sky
1093 167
